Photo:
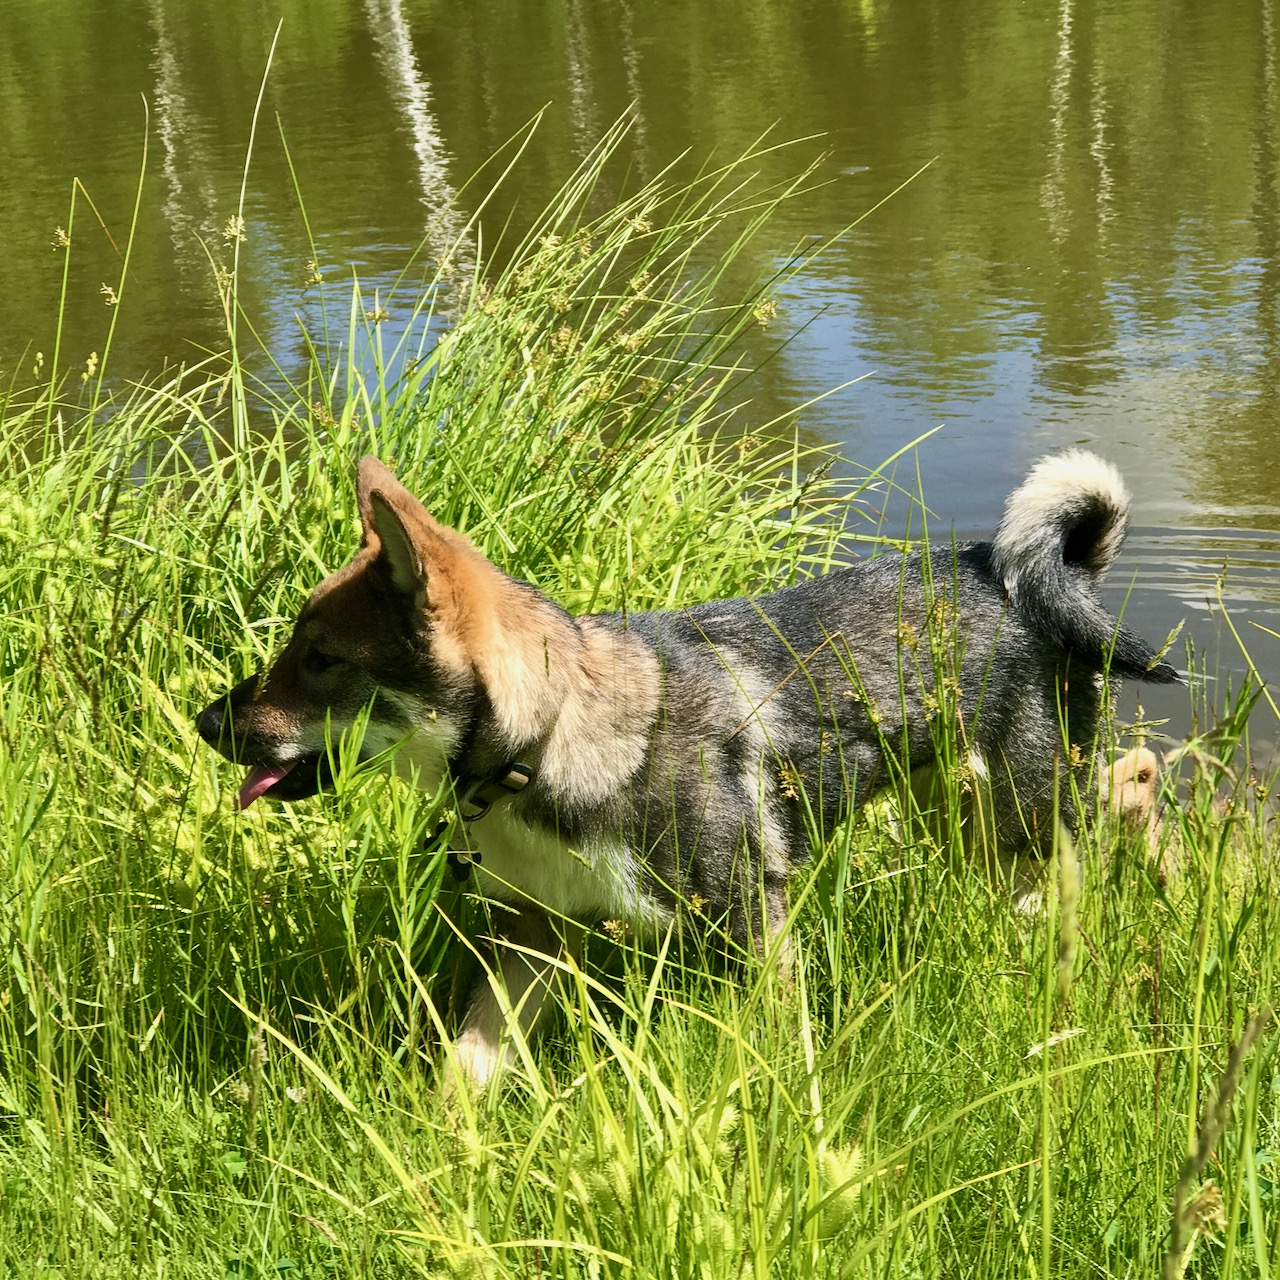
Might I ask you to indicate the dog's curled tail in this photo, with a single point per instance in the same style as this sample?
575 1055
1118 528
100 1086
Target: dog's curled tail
1061 529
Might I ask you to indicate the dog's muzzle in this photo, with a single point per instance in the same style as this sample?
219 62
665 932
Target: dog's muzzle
215 723
288 780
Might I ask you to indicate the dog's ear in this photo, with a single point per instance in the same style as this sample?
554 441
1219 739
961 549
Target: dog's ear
398 556
387 511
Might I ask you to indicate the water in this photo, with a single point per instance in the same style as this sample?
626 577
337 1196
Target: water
1089 257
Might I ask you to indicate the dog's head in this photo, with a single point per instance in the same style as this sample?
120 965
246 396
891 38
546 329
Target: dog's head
392 631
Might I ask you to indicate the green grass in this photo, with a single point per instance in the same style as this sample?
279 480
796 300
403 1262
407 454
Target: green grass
219 1032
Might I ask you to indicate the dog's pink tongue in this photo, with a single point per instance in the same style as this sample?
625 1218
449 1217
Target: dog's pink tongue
261 778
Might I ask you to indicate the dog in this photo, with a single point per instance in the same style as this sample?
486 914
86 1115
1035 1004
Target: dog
616 767
1131 785
1130 790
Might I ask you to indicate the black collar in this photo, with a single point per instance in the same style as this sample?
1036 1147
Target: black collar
475 787
475 799
508 780
475 794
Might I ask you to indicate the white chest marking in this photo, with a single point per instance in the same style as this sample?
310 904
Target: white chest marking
600 879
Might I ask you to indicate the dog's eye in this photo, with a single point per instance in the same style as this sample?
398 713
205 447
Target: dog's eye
317 663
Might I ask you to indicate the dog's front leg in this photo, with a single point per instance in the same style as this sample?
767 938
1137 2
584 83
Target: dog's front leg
526 980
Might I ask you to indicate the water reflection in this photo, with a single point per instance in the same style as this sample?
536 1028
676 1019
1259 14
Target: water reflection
190 206
413 97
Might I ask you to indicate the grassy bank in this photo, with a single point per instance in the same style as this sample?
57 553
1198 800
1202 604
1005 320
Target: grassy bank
218 1031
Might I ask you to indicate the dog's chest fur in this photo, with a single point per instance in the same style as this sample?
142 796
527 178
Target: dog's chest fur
599 877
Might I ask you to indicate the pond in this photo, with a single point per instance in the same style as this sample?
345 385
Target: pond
1087 252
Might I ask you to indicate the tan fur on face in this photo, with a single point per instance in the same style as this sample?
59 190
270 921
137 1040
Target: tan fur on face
456 585
1131 787
542 673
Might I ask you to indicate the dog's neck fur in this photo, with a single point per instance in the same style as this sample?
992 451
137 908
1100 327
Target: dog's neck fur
553 689
526 656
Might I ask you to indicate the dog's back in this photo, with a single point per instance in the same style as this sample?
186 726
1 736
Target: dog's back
779 714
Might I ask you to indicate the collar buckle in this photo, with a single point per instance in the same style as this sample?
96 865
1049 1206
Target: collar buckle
477 800
509 780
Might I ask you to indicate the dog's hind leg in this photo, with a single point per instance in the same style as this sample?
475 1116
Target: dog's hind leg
526 974
776 940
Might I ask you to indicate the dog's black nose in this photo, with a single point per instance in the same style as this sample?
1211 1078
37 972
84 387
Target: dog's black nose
216 723
210 721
